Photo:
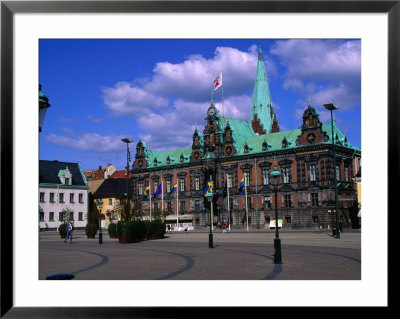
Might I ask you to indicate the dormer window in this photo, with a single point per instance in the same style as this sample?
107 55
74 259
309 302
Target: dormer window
265 146
182 158
65 176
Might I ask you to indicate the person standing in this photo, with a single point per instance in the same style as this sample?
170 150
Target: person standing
69 233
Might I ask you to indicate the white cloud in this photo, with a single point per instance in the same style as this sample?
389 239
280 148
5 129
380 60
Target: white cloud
325 71
89 142
126 99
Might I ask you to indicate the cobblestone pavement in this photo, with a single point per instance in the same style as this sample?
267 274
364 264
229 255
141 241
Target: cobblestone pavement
306 255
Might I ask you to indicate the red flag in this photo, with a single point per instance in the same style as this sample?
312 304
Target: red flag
218 81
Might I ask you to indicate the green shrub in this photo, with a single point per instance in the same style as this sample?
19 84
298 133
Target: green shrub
135 229
155 228
91 229
112 230
63 229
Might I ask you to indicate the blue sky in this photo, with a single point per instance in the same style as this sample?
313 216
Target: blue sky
103 90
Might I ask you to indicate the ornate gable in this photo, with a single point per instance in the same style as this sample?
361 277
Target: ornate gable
311 129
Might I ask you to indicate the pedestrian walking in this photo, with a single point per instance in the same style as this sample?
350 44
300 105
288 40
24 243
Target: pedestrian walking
70 228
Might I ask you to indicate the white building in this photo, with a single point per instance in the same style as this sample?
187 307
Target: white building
62 189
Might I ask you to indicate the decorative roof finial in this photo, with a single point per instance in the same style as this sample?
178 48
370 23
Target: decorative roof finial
260 56
309 101
212 96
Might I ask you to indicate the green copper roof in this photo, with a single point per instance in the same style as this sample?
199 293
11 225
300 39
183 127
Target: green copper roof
157 158
261 102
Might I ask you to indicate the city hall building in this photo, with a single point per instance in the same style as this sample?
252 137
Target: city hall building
229 150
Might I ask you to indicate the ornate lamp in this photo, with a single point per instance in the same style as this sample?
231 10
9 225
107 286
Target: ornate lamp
43 106
275 181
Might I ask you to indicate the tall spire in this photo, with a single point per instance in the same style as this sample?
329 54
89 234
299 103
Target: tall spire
261 103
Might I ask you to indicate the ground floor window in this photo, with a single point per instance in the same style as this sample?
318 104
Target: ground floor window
41 216
288 200
169 207
51 217
314 199
315 219
288 219
80 216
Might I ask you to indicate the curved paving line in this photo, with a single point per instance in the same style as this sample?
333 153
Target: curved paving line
336 255
104 260
189 264
275 271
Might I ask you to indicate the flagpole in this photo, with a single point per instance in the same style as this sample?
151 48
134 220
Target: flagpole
150 196
177 197
162 193
245 194
229 212
223 113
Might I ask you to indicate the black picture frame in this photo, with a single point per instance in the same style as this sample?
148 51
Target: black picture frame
9 8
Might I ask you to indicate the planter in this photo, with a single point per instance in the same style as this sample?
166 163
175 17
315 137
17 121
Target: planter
91 235
113 236
156 236
63 236
124 238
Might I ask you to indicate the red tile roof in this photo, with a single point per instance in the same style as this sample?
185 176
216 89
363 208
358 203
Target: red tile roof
121 174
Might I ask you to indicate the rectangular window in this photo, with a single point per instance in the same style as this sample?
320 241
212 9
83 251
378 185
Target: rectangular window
41 197
337 173
314 199
61 197
197 204
60 216
247 179
140 188
155 206
110 201
288 219
197 183
168 185
182 206
80 216
265 176
288 200
71 216
41 216
267 202
287 175
80 198
312 172
51 217
182 184
169 207
315 219
66 181
230 179
51 197
155 186
71 198
346 174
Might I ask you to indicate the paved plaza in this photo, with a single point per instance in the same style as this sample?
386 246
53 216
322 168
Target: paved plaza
239 255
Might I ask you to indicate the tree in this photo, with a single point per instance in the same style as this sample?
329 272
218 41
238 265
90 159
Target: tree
67 215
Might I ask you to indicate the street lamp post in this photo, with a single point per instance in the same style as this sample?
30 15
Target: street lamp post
275 181
210 236
331 107
100 205
219 220
43 106
128 158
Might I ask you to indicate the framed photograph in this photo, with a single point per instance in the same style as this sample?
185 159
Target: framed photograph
374 24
